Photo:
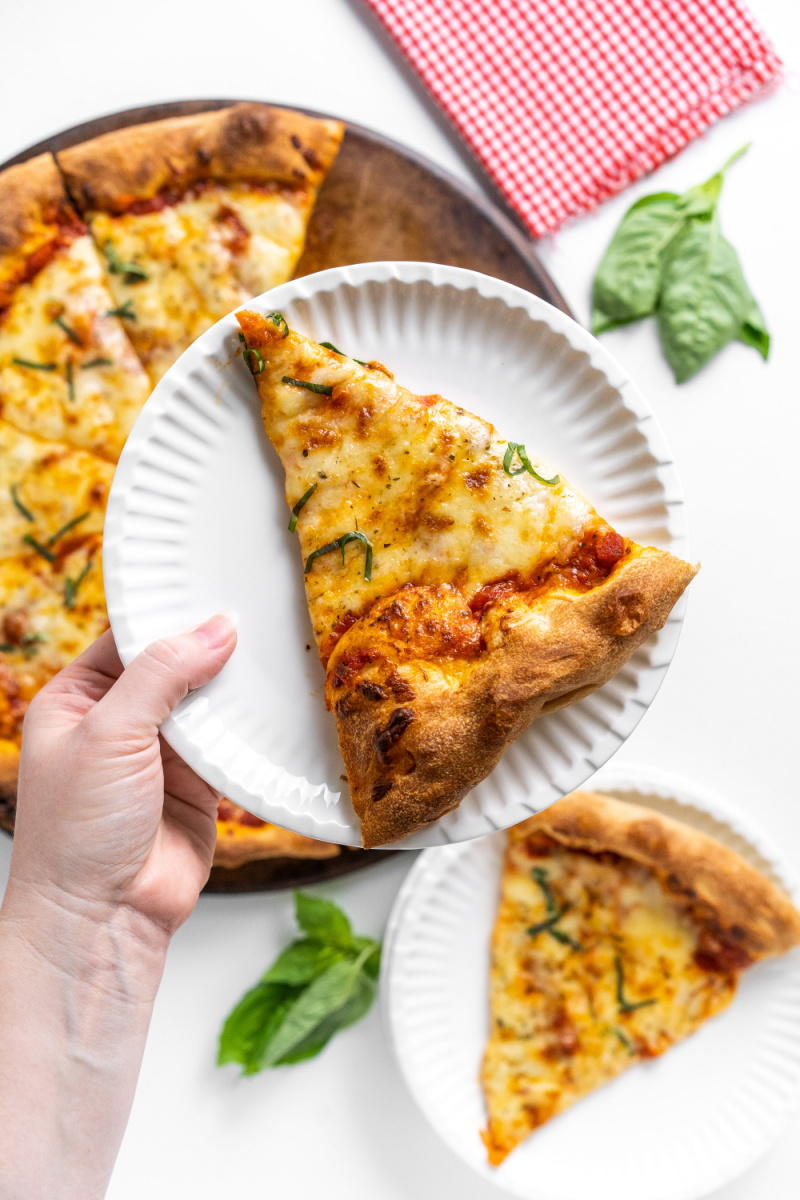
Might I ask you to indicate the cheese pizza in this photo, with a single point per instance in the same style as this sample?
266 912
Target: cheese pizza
196 214
619 932
458 588
180 221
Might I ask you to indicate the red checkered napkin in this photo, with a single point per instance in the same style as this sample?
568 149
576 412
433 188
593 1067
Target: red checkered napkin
565 102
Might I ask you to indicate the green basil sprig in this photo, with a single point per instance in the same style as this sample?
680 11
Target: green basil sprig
322 389
518 448
627 1006
21 508
71 586
304 499
253 359
319 985
330 346
668 258
340 544
131 272
554 913
68 330
278 320
125 312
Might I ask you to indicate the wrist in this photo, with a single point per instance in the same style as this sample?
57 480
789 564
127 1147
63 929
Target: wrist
110 949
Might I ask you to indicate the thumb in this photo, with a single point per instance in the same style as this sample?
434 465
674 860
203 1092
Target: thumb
161 676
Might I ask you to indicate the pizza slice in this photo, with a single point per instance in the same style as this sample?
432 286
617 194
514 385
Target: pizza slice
67 369
243 837
458 588
197 214
52 605
619 932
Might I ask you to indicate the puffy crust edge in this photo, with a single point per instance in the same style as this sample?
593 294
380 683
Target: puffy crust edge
29 195
541 655
740 896
245 844
250 141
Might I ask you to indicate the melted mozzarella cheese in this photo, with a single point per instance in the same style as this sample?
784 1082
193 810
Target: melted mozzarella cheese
98 410
422 479
48 634
197 271
558 1027
55 483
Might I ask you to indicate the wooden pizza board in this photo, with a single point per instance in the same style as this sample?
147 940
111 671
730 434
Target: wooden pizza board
379 202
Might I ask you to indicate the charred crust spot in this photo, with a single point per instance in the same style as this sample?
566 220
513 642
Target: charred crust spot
203 156
380 788
386 739
372 691
15 626
401 688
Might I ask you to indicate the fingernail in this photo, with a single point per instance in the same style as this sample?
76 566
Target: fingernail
217 630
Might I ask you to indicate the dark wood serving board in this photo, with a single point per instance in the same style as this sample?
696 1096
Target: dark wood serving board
380 201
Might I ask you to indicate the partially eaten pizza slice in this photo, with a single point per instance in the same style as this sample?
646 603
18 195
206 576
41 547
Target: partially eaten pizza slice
458 587
196 214
620 931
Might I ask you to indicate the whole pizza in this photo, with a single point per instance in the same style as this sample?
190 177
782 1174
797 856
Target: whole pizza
114 256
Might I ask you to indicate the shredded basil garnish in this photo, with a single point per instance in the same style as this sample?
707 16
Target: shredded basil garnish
97 362
304 499
248 356
71 585
7 648
554 913
322 389
68 330
125 311
29 643
39 548
623 1038
518 448
330 346
130 271
279 319
626 1006
66 528
26 512
34 366
70 382
340 544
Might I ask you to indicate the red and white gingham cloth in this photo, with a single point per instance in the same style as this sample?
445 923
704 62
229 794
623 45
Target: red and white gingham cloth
565 102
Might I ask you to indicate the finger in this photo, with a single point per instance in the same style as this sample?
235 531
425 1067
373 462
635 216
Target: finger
91 675
160 677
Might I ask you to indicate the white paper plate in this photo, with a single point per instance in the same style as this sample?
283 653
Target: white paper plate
197 521
676 1128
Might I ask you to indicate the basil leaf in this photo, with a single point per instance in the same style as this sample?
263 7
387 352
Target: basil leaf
351 1011
278 320
38 547
323 997
323 920
125 311
68 330
252 354
71 586
130 271
754 331
51 541
704 297
304 499
627 282
372 963
301 962
702 200
252 1023
321 389
21 508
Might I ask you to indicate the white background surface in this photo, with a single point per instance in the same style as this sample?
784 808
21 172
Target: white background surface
343 1125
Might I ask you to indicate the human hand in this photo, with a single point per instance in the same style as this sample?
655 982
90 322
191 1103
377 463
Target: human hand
108 815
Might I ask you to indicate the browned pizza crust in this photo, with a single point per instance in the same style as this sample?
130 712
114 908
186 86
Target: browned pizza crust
417 741
238 844
30 197
741 899
251 142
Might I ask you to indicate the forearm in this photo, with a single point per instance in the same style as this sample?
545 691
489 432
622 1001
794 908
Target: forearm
77 985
